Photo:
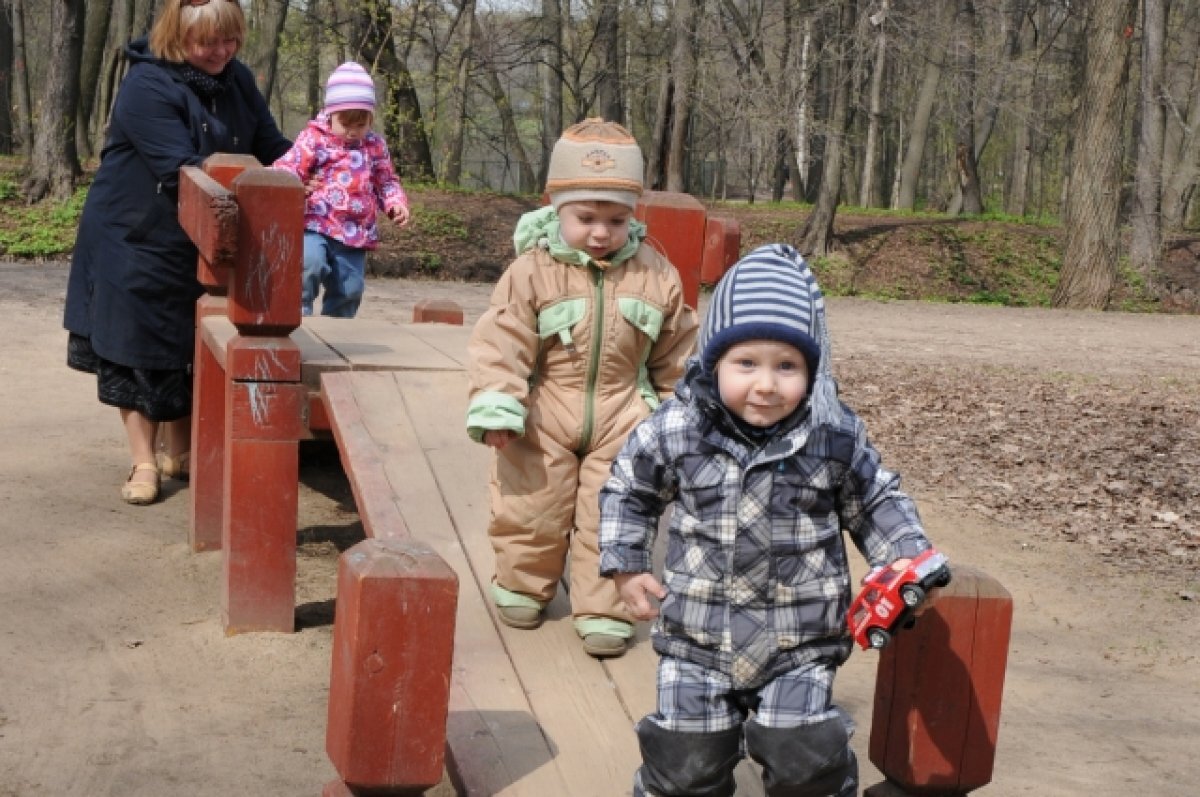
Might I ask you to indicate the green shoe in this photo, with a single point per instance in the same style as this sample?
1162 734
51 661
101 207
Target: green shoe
516 610
605 646
604 637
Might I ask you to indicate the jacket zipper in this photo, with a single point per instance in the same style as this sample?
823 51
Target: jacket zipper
204 125
589 395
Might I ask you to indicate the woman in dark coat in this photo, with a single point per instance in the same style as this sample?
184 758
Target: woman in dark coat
132 290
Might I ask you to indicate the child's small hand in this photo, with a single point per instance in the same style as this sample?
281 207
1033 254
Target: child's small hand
636 590
401 215
498 438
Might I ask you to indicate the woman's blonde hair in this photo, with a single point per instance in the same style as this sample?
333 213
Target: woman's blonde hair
179 19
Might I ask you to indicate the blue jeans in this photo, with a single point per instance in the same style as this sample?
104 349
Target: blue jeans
340 268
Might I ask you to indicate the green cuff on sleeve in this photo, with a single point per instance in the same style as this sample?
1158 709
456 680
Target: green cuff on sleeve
494 410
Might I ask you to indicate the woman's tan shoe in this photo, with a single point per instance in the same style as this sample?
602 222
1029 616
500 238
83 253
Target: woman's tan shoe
140 492
177 467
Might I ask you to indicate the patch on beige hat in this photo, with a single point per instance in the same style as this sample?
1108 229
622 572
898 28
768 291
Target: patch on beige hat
595 161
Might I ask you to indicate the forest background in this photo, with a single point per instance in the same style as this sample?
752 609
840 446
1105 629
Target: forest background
1078 119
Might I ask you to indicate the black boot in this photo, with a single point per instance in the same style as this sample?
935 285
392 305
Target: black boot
681 764
806 760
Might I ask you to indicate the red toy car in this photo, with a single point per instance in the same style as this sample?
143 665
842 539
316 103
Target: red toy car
889 597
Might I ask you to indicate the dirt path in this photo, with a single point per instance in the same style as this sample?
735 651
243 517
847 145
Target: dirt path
117 678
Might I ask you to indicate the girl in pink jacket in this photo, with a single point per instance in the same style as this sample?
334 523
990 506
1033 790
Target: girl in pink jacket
348 175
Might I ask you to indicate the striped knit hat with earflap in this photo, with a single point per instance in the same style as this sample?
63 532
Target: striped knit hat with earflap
349 88
770 294
595 161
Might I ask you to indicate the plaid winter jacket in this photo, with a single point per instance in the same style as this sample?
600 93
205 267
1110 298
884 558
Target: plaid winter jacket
756 567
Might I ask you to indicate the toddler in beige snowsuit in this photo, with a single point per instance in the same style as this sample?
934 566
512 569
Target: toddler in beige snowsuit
587 329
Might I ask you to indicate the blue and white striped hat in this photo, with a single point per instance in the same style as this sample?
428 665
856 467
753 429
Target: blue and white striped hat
771 294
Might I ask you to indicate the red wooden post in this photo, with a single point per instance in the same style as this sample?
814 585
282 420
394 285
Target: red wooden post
722 246
676 229
265 406
263 422
213 268
208 212
938 691
224 167
437 311
208 439
393 640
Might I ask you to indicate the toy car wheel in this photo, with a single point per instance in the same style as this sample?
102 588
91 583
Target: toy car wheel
878 638
912 595
943 578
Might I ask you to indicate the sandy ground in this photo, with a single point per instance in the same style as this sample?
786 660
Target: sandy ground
116 678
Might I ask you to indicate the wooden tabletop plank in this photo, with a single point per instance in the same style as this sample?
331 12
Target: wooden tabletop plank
383 346
576 703
495 743
449 339
316 358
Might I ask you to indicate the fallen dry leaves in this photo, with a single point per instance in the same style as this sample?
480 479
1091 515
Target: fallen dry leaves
1111 465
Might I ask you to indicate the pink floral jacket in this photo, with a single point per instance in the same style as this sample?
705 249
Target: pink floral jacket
354 180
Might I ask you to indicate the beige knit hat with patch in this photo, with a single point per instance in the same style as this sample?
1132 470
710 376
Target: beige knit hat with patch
595 161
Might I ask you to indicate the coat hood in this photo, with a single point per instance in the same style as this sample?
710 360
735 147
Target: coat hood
138 51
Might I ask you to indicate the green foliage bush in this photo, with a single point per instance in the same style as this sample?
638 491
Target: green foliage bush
45 230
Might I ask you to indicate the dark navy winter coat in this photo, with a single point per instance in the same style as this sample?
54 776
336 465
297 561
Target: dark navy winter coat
132 287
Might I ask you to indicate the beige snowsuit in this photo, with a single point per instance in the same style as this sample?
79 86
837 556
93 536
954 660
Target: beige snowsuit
536 369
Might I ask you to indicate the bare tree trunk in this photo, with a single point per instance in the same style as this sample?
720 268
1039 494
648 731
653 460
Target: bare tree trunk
1014 20
816 236
265 27
656 156
1092 238
452 158
99 13
54 166
404 126
6 81
508 122
552 82
1016 191
1145 243
683 57
1181 160
609 96
106 81
315 34
800 180
868 188
785 153
914 153
22 100
779 173
143 15
964 143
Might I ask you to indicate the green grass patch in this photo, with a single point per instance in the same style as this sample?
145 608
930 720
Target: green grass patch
440 223
45 230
